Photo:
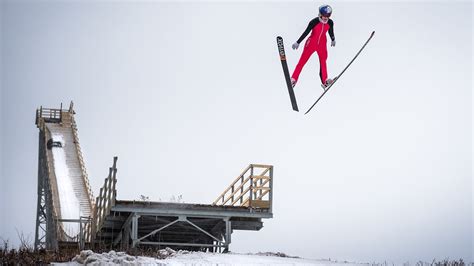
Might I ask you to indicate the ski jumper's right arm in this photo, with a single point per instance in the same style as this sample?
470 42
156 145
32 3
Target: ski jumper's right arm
311 25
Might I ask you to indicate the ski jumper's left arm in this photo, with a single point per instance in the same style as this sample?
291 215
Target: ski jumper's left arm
331 30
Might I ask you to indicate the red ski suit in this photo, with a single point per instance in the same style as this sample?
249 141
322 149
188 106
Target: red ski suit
315 43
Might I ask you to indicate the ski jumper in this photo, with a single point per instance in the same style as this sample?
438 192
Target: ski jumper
315 43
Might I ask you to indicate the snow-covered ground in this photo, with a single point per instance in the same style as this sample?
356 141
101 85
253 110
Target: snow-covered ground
70 208
170 257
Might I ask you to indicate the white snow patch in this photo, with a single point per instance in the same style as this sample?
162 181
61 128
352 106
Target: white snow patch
70 208
87 257
172 257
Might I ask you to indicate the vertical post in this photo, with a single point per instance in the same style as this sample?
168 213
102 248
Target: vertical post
53 229
108 192
126 237
41 194
270 197
228 233
251 186
114 181
95 222
255 191
134 230
99 209
241 189
51 232
81 236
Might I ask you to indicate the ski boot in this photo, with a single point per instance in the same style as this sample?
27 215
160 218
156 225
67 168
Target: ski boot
328 83
293 82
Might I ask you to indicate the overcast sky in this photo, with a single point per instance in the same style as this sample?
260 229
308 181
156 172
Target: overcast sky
188 94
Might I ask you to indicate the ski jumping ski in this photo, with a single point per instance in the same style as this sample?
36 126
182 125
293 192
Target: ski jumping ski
339 76
284 64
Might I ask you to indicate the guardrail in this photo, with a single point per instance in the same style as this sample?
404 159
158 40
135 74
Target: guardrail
88 229
251 189
49 114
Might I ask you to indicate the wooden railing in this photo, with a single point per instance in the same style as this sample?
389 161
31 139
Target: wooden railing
84 176
88 228
252 188
49 115
106 199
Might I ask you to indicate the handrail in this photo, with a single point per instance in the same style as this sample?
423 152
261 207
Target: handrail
240 197
235 181
106 199
235 191
50 114
262 194
261 166
81 161
88 228
249 186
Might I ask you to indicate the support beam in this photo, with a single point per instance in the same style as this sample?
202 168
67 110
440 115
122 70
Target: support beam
41 218
118 238
202 230
159 229
135 229
173 212
228 233
180 244
123 230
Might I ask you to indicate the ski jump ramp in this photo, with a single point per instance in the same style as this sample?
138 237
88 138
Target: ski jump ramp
68 215
65 201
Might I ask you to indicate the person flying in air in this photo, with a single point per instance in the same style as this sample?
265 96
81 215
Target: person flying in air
316 42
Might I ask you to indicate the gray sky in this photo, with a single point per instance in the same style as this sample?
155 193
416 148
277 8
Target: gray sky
188 94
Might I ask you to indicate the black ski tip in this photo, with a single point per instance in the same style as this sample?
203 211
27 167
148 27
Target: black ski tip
373 32
279 38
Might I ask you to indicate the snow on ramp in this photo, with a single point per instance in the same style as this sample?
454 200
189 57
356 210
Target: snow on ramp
70 207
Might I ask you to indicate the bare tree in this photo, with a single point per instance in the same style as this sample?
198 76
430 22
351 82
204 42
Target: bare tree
26 243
